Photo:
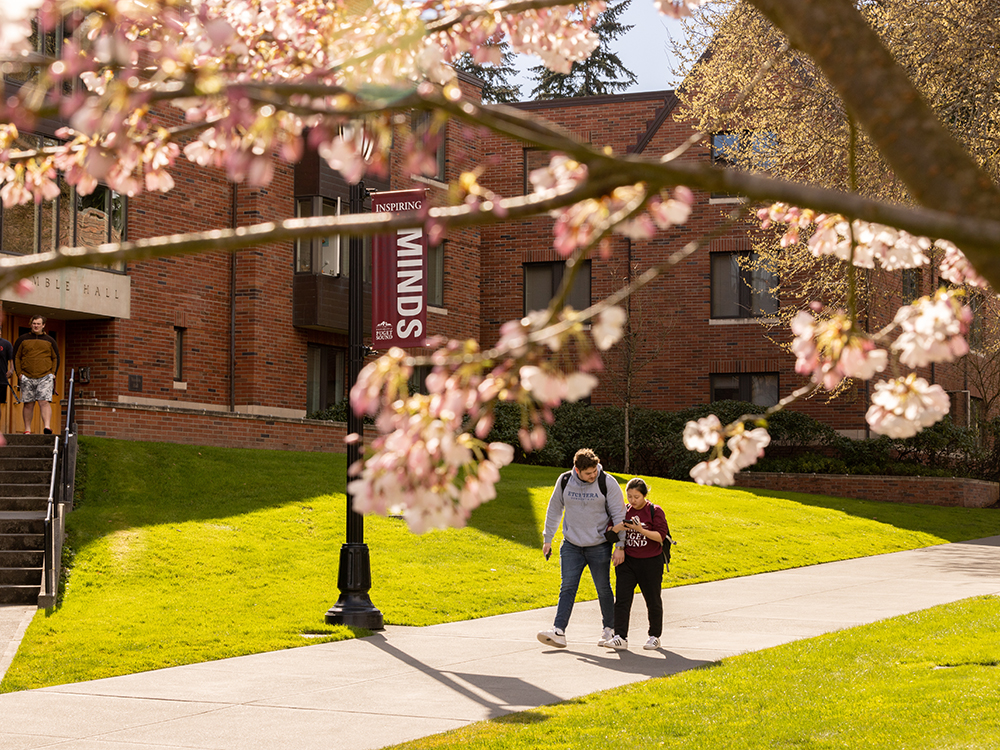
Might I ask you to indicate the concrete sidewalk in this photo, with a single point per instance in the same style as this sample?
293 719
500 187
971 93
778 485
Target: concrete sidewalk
406 683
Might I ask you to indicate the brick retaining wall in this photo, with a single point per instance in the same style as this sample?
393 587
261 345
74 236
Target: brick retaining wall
204 427
953 491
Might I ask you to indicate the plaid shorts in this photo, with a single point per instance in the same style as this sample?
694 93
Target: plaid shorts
37 389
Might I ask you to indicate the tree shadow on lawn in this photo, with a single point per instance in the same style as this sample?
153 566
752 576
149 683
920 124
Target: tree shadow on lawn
143 484
130 484
952 524
510 516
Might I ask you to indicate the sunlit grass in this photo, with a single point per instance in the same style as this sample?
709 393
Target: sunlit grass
924 680
185 554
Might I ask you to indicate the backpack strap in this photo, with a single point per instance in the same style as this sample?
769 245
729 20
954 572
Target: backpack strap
564 480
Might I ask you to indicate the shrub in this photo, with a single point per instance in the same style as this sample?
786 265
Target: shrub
799 443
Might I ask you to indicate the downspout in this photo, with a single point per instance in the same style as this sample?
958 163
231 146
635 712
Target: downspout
629 358
232 306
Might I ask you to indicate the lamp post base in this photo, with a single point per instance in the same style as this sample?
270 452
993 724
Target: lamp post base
355 608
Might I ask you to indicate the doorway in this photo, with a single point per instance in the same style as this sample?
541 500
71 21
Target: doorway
12 420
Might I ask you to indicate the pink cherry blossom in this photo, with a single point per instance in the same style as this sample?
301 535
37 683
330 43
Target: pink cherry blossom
902 407
609 327
746 446
933 329
833 349
719 471
703 435
955 267
678 8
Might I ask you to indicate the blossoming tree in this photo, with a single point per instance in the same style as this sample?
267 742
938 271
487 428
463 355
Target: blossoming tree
256 77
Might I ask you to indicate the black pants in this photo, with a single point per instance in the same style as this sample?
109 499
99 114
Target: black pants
648 573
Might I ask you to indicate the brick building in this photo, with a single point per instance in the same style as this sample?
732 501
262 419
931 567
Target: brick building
236 349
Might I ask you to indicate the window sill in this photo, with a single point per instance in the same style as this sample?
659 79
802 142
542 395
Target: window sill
437 310
180 386
741 321
726 199
432 181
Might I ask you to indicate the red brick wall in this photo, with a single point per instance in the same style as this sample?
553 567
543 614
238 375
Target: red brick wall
951 491
200 427
680 346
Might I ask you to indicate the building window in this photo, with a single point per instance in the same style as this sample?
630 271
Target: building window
741 288
435 275
49 45
320 254
330 255
760 389
912 284
325 378
427 129
178 354
542 281
31 228
744 150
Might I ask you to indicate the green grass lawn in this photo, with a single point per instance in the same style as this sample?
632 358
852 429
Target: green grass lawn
184 554
924 680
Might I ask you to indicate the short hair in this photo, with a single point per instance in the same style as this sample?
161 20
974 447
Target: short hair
637 484
584 459
37 317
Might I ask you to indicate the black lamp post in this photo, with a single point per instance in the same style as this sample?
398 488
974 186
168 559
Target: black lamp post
354 607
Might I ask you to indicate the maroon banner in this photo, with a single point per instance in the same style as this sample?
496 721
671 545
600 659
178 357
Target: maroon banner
399 276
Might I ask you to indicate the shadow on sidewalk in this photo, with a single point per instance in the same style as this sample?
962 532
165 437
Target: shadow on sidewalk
650 663
510 693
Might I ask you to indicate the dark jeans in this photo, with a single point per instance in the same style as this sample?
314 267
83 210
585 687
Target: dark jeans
648 573
573 560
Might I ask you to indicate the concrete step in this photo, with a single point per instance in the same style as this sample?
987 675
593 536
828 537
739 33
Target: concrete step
28 477
20 594
22 522
22 541
21 558
17 440
16 463
24 490
20 576
27 451
24 504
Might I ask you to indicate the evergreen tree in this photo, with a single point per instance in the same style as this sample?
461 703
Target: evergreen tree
600 74
497 87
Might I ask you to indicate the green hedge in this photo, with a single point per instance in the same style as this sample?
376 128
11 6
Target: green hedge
799 443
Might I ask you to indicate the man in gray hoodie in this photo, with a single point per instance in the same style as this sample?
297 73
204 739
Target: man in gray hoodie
579 501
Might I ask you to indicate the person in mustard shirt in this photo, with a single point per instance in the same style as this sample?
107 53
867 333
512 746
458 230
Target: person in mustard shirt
36 361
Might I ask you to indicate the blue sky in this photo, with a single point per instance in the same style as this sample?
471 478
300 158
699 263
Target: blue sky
643 49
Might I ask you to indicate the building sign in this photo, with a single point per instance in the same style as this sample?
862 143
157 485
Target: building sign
399 276
84 292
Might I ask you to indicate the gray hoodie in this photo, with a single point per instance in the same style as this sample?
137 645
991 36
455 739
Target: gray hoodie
587 512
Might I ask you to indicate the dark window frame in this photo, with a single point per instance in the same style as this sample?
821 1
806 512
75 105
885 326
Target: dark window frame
559 270
749 297
744 386
179 337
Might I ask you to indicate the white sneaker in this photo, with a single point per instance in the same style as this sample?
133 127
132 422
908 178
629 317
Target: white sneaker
554 637
652 644
606 636
617 643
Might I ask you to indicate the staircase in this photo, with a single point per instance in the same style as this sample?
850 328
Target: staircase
25 477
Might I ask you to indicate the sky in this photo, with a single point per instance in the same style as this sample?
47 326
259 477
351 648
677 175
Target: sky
643 50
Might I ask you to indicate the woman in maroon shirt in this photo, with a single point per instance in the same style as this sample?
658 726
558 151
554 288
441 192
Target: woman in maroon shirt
646 528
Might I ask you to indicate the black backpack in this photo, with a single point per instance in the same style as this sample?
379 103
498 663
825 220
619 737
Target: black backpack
668 542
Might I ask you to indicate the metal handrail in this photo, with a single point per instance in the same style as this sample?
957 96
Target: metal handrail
60 470
67 426
50 516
